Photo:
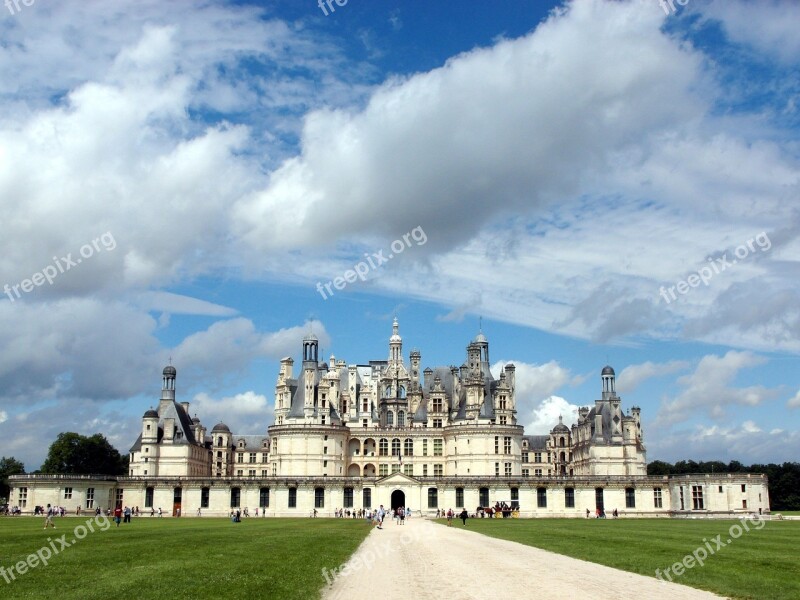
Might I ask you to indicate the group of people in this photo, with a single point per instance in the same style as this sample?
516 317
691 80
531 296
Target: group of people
450 514
600 513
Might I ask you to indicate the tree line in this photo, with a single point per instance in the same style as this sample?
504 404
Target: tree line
784 480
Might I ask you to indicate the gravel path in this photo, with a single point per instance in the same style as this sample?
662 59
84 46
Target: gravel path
425 560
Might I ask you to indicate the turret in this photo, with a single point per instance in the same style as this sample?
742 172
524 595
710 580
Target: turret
167 387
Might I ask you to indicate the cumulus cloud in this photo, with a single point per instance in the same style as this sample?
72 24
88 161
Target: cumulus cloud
708 389
794 402
546 413
246 413
633 376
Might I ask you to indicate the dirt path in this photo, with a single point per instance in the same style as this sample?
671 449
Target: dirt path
425 560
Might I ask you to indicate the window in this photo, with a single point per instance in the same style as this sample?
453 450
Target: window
483 494
264 473
67 493
408 449
497 444
319 497
537 457
424 470
148 498
89 497
274 445
744 503
460 496
438 470
502 404
437 405
437 423
697 497
569 497
383 470
681 497
119 497
507 445
204 497
366 497
497 469
503 420
251 473
239 473
433 498
425 447
437 447
236 496
395 468
389 419
526 472
408 470
537 472
630 498
23 497
599 501
252 457
541 497
524 457
292 497
720 489
264 457
744 488
514 497
507 469
348 497
240 457
401 419
395 447
657 500
383 447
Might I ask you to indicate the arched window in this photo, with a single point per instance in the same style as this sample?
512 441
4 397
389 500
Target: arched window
563 457
401 392
401 419
219 441
389 418
388 392
561 443
383 447
409 447
395 447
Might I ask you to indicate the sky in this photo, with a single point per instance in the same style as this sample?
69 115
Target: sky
595 182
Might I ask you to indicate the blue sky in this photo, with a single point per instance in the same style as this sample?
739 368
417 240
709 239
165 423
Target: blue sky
591 182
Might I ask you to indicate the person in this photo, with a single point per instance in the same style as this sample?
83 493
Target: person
127 515
198 512
48 519
160 514
449 517
380 515
117 515
587 513
464 514
152 511
78 510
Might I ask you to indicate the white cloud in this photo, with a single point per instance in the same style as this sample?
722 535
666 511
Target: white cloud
794 402
633 376
3 416
545 415
708 389
246 413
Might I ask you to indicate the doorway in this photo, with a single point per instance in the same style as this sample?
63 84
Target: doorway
398 499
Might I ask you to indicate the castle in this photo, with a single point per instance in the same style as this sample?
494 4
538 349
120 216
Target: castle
355 436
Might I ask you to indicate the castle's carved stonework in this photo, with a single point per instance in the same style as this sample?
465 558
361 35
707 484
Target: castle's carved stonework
352 436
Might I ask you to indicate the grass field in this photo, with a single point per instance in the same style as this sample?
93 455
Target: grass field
177 558
762 563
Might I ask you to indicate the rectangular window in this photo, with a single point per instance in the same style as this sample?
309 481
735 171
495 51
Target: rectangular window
408 470
348 497
23 497
177 494
366 498
239 473
204 497
720 489
744 487
599 501
424 470
680 495
292 497
67 493
630 498
744 503
264 457
503 420
433 498
148 498
425 447
507 469
537 472
526 472
484 496
437 447
438 470
569 498
251 473
264 472
395 468
119 497
319 497
497 444
236 496
263 497
697 497
89 497
506 445
514 497
460 497
240 457
497 469
541 497
252 457
657 500
537 457
437 423
383 470
525 457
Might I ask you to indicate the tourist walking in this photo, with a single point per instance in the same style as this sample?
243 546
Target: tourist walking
463 516
449 517
48 519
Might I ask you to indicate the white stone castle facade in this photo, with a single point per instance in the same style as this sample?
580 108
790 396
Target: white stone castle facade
356 436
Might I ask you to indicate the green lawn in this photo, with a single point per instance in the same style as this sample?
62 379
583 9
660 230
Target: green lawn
762 563
178 558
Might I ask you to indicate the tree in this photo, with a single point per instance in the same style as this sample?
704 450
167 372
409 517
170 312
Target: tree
76 454
8 466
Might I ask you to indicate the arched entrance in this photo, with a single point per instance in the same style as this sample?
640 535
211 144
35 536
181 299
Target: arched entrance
398 499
